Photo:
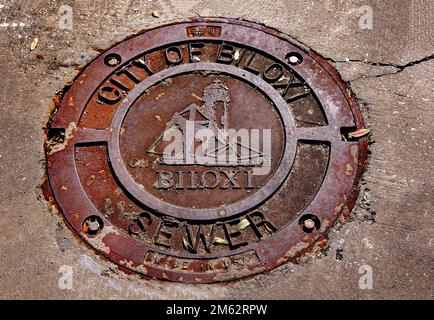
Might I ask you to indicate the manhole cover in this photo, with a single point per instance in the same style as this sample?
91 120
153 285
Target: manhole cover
205 151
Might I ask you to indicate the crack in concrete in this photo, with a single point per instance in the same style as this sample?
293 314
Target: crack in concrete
376 76
399 67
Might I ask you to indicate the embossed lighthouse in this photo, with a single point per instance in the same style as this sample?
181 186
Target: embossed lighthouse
192 121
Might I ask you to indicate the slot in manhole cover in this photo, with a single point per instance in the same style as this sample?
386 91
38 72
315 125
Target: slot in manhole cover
205 151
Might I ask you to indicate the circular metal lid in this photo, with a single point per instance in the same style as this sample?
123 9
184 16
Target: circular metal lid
205 151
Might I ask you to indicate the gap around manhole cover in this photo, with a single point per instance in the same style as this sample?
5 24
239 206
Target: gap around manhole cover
205 151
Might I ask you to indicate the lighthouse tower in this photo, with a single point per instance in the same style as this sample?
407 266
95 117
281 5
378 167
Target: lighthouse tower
213 94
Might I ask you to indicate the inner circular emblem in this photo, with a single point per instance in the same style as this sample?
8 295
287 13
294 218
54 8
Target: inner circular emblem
205 151
204 142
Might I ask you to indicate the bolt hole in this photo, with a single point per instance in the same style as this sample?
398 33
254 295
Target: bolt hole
309 223
56 135
92 225
112 60
294 58
345 132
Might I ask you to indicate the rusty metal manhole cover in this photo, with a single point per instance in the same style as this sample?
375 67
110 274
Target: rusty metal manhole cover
205 151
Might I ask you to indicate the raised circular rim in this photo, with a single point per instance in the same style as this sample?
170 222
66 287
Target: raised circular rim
290 242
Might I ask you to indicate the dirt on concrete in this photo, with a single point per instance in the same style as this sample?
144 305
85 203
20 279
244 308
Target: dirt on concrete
390 68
